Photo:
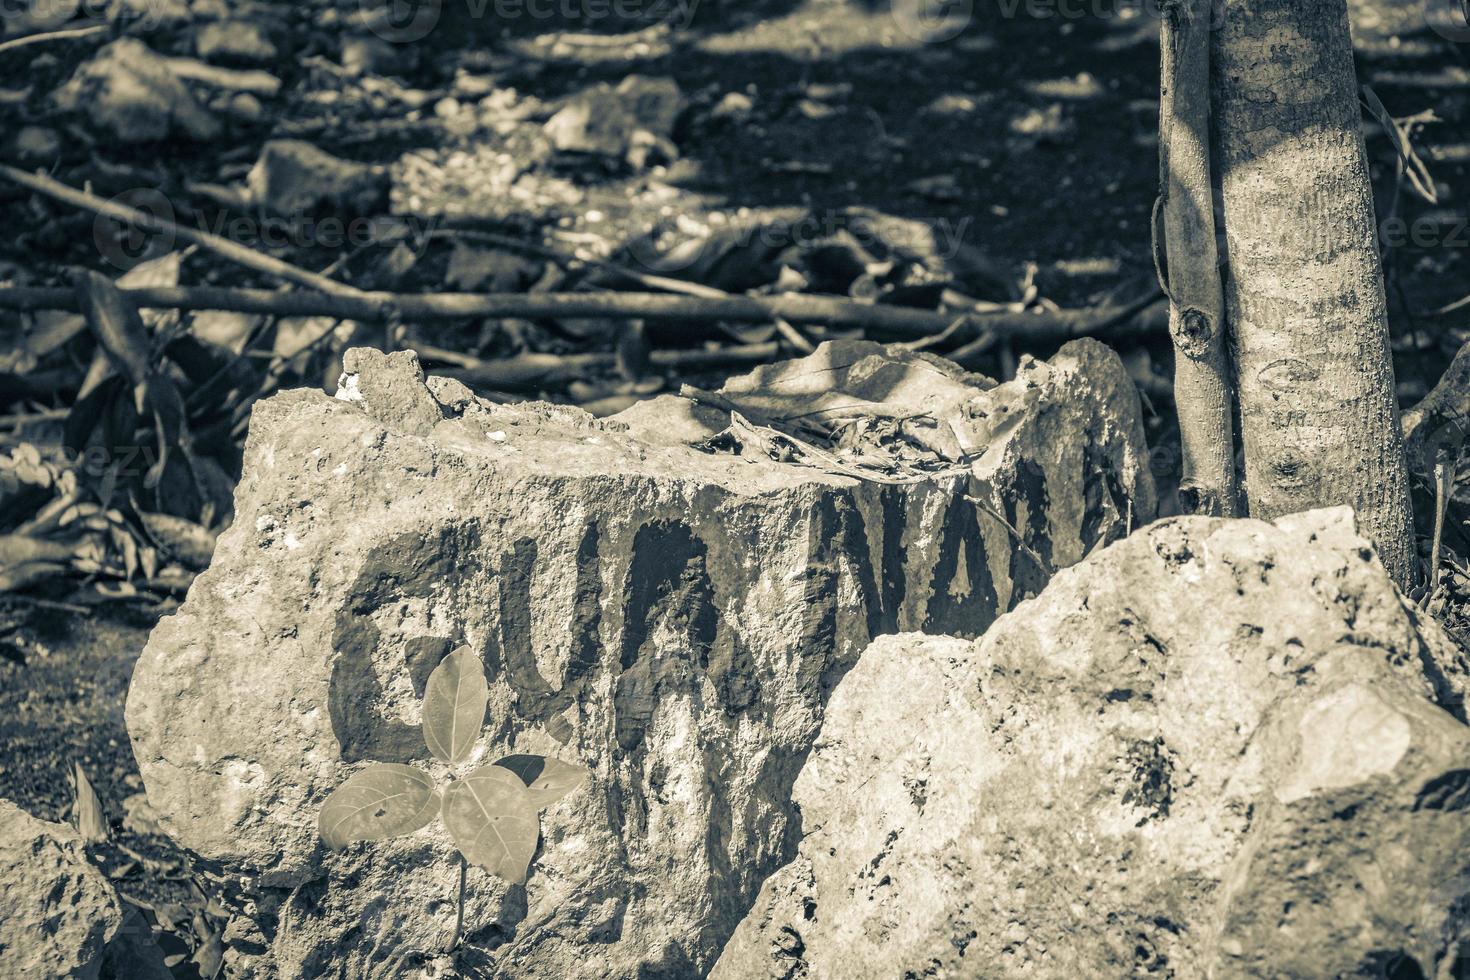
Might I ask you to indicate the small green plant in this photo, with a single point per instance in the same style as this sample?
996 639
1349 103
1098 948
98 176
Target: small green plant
492 812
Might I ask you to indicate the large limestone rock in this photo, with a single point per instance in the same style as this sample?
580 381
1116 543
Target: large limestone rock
57 912
1217 749
672 616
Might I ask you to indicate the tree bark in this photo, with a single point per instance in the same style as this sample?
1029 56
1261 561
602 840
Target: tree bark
1202 389
1304 289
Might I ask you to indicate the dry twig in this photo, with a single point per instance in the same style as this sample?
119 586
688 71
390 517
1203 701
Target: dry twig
831 311
239 254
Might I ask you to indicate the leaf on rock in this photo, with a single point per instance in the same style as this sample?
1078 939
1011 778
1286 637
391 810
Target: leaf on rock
547 780
385 800
454 705
492 819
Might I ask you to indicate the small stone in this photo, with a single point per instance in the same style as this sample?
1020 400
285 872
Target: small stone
367 54
37 144
448 108
1051 124
734 107
953 104
468 86
293 178
133 96
246 107
940 187
235 41
610 121
207 10
391 389
454 395
829 92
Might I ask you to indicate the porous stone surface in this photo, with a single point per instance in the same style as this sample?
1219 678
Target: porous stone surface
672 616
1216 749
57 912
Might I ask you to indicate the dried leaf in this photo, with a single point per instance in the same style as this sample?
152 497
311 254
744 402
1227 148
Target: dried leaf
188 542
87 809
118 327
227 329
209 956
148 560
492 819
385 800
454 705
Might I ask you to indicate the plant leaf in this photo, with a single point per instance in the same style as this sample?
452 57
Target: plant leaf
87 809
384 800
454 705
490 815
119 329
190 543
547 780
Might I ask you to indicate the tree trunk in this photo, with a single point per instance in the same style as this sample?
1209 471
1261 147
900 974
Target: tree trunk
1202 390
1304 286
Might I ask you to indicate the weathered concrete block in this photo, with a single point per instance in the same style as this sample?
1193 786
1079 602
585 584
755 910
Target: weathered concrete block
673 618
1212 750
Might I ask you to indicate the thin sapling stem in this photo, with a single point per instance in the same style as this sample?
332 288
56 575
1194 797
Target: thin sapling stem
459 913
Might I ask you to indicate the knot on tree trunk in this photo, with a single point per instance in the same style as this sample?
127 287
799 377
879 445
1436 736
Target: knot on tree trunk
1194 332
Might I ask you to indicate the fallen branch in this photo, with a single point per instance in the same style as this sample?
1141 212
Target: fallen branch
69 33
223 247
663 284
255 81
893 321
533 370
1441 417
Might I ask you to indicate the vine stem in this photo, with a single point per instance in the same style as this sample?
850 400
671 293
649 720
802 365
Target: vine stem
459 914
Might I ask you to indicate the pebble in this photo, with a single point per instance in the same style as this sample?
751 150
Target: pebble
369 55
237 40
246 107
735 106
473 86
37 144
